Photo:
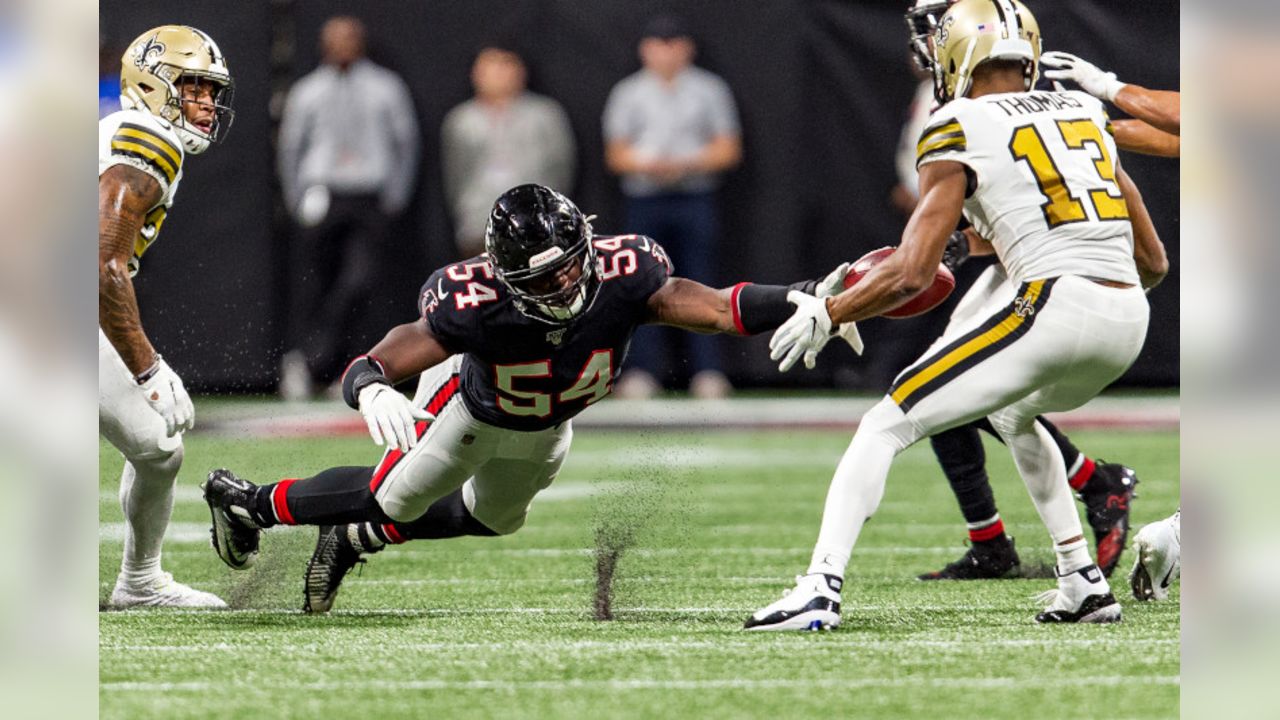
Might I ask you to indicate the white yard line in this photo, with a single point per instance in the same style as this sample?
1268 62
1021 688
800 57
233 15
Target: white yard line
664 684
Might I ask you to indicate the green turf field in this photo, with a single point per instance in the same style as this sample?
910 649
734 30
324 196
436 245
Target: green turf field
502 628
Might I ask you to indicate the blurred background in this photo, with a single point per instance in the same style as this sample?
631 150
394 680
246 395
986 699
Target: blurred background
822 90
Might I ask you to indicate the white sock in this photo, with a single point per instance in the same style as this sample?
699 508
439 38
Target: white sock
855 492
1072 556
1040 464
146 496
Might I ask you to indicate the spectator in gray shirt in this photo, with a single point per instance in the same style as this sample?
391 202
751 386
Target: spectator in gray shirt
348 155
503 137
671 130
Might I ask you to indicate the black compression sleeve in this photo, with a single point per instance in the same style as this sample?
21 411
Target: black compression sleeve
758 308
361 373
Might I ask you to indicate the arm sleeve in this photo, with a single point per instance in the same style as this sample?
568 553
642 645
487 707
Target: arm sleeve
724 112
293 134
561 149
403 125
618 123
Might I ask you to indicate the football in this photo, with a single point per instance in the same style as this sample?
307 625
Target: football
943 283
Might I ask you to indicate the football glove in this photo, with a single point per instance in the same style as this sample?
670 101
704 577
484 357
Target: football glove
166 395
391 417
804 334
830 286
1090 78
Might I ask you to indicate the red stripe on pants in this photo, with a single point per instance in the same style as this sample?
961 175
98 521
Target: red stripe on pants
437 403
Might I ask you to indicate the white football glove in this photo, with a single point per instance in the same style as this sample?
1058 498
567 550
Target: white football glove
1090 78
167 396
804 334
831 285
390 416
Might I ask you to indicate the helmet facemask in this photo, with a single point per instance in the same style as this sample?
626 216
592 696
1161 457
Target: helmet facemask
922 22
223 92
554 305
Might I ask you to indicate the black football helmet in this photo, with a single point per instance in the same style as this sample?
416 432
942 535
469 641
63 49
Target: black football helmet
535 233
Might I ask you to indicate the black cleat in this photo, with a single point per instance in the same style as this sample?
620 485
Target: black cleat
986 560
235 534
333 558
1106 498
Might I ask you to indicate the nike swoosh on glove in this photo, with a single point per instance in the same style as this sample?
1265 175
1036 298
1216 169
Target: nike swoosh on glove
804 334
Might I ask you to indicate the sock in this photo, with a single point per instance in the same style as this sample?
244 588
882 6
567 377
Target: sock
990 529
1072 556
1083 472
964 462
1072 458
337 496
1040 465
146 496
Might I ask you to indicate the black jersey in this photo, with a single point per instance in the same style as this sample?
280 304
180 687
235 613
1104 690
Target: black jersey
523 374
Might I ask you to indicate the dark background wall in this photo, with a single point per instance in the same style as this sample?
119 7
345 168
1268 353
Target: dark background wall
822 88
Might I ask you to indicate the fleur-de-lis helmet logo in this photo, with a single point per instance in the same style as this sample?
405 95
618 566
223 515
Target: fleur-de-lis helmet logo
145 51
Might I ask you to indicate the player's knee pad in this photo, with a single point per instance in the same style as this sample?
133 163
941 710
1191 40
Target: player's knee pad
158 465
1008 422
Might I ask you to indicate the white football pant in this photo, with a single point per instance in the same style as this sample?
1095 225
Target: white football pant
152 460
1053 348
500 471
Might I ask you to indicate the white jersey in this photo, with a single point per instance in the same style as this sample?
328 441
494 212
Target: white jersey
1046 194
143 141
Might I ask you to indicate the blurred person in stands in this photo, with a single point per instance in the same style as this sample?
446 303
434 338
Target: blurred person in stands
671 130
348 157
176 95
502 137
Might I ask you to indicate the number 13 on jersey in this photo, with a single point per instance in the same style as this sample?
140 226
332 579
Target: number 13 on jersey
1063 207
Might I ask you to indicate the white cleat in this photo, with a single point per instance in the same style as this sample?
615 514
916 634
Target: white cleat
163 591
1083 596
813 604
1158 548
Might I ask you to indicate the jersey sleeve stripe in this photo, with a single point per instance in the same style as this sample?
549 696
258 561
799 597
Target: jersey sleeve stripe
147 155
930 134
952 143
142 133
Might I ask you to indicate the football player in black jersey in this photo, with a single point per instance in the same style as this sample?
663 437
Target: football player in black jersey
509 346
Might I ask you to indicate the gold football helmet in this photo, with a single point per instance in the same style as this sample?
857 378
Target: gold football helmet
155 67
975 31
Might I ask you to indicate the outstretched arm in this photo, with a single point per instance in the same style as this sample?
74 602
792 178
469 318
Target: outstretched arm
1137 136
408 350
1161 108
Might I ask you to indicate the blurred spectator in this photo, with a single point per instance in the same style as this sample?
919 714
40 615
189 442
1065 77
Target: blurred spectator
503 137
671 130
348 153
906 194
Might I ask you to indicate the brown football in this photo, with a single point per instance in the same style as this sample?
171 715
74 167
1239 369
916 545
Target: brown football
943 283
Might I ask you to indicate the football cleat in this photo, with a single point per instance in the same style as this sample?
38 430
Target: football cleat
1158 564
163 591
985 560
813 604
235 535
1083 596
1107 497
334 556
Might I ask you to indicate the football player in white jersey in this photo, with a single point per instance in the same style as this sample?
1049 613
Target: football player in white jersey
1035 173
175 91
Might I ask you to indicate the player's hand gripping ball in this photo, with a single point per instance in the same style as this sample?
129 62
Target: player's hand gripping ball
943 283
